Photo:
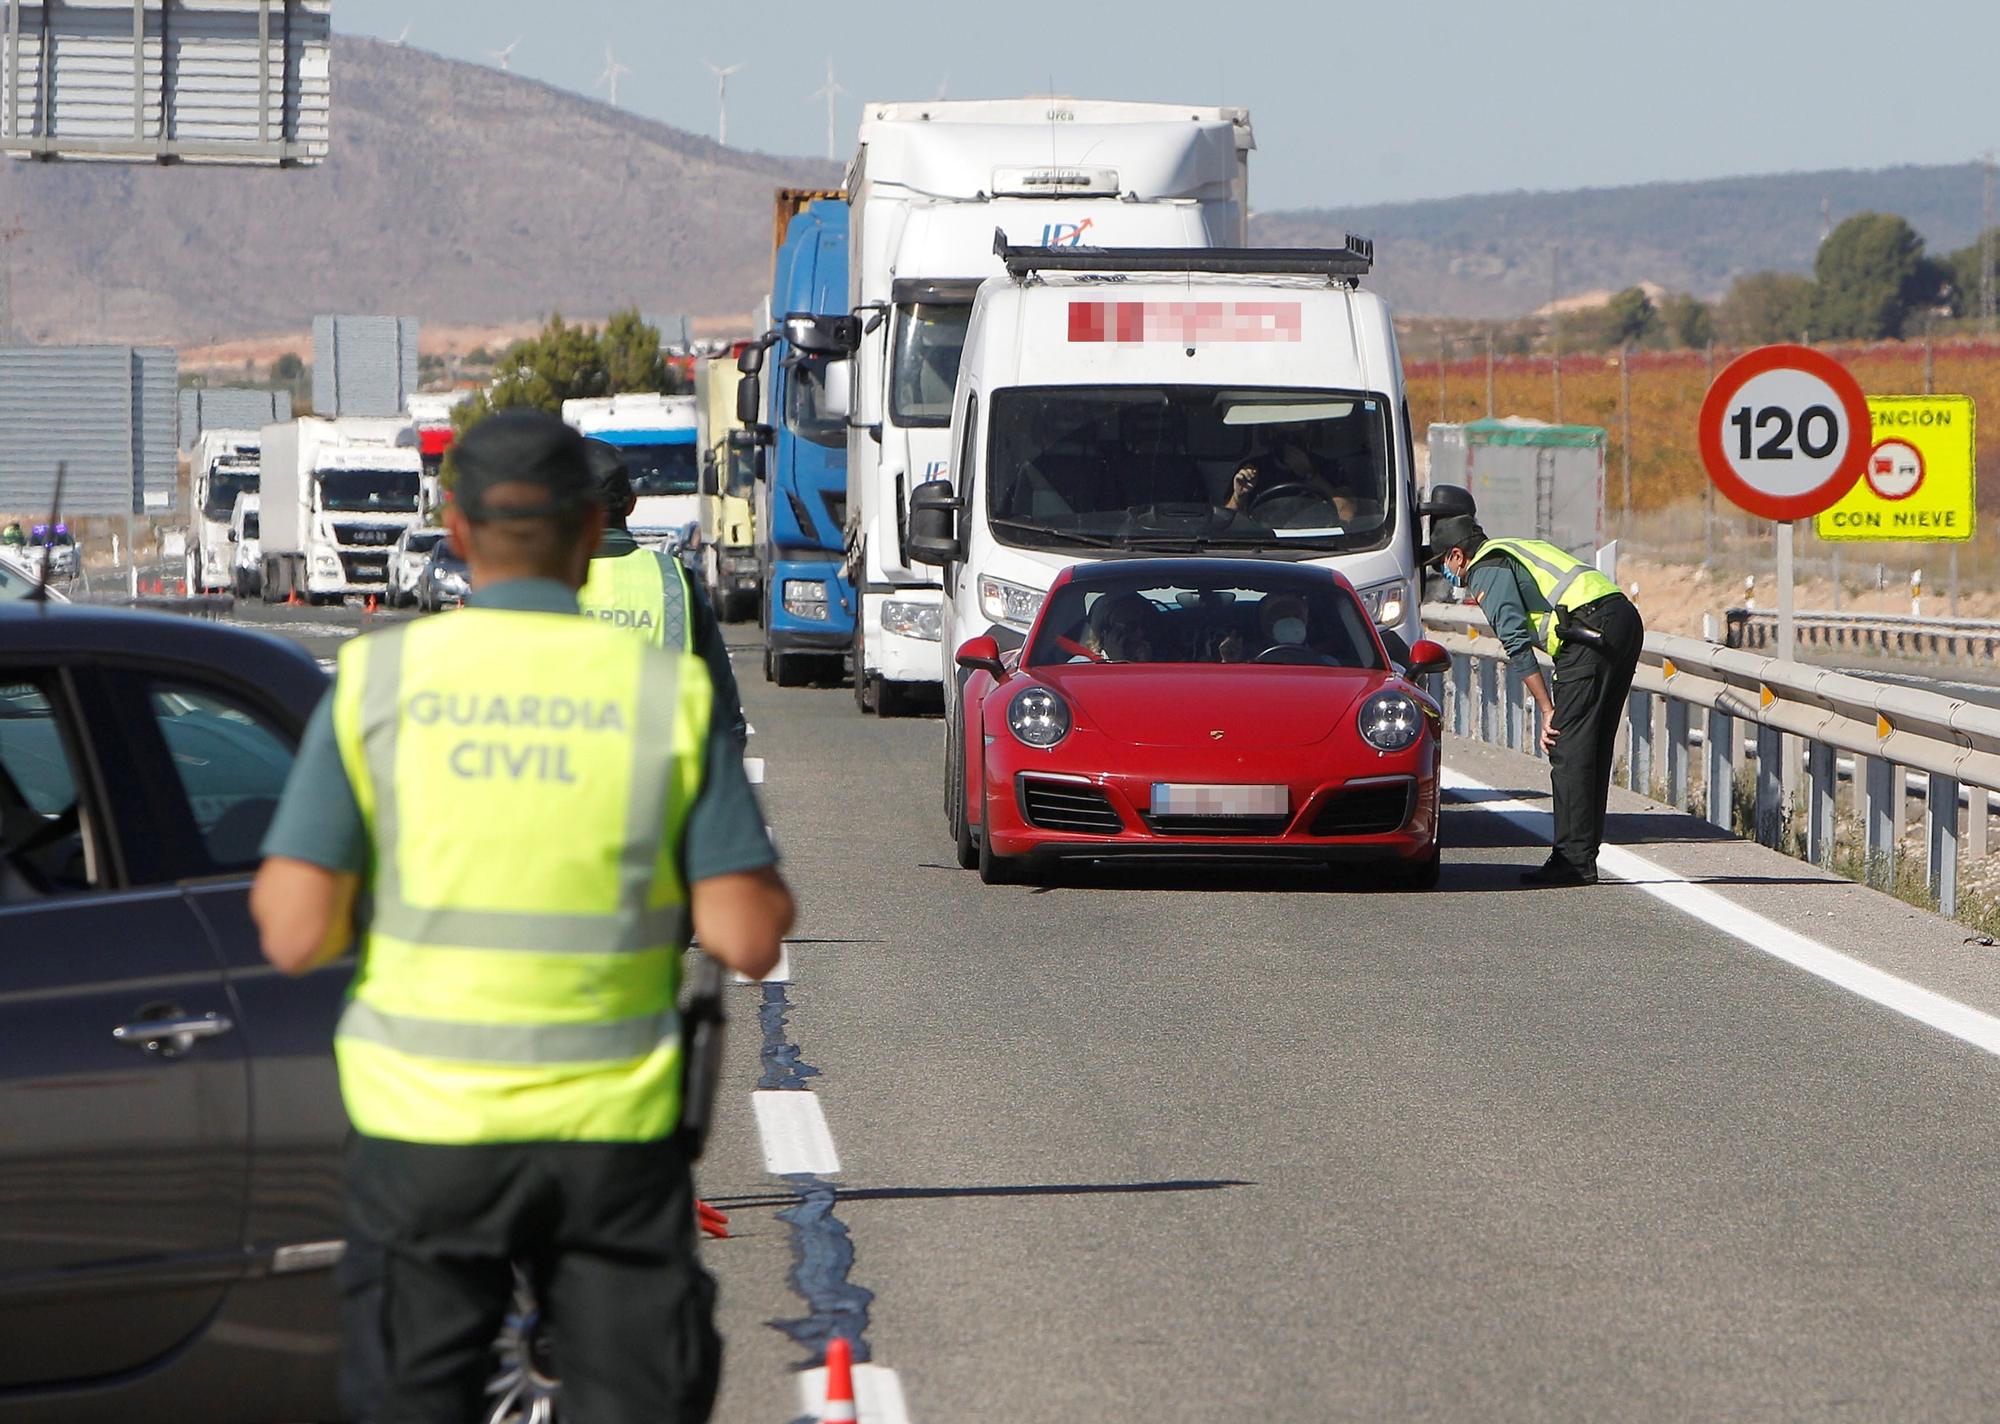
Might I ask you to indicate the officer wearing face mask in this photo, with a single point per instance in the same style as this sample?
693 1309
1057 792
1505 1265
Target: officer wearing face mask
1536 595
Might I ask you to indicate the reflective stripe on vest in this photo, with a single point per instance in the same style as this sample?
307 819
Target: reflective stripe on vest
631 590
1560 577
525 779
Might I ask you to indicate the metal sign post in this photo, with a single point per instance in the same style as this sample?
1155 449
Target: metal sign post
1786 590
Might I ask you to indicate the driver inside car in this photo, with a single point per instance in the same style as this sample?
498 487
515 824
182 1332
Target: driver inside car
1121 628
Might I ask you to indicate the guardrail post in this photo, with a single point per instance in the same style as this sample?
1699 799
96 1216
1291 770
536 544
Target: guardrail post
1879 821
1822 776
1461 695
1941 841
1639 761
1516 733
1678 742
1489 700
1721 777
1977 808
1770 786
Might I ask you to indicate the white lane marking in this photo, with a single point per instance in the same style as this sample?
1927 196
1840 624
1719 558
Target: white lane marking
781 975
794 1133
1926 1006
753 767
878 1394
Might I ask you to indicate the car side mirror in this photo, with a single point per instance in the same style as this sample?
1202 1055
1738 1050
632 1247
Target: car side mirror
981 654
933 526
749 399
1427 658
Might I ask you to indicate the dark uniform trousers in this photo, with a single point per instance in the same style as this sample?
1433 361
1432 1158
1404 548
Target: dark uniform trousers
605 1232
1590 689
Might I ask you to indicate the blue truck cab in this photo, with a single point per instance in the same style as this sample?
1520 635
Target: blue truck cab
808 600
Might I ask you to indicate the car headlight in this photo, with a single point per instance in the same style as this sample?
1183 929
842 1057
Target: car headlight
1037 717
1390 721
1386 602
806 598
923 621
1004 602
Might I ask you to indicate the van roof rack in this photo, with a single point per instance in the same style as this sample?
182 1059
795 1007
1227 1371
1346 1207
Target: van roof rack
1349 262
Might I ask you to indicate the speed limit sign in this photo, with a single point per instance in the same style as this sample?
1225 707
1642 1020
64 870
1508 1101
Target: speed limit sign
1785 432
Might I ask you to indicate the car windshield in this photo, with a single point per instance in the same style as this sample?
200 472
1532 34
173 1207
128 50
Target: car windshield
1243 616
15 581
661 469
368 489
930 338
805 405
223 487
1190 467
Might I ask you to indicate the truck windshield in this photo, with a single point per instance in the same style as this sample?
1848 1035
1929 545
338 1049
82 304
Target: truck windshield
1190 467
805 406
660 469
930 337
742 466
223 487
384 490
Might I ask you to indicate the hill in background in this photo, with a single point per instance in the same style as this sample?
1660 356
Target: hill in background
458 193
475 198
1488 256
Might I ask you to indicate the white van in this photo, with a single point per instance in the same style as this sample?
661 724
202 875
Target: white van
1171 401
246 573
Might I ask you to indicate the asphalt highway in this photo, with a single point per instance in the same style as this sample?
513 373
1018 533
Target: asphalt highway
1196 1145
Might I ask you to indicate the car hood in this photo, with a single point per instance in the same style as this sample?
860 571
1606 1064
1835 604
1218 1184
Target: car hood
1187 706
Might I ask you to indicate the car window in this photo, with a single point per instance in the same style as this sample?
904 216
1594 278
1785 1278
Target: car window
231 765
45 844
1251 616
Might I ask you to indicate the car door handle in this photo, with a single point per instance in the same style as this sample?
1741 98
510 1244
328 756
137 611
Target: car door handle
172 1037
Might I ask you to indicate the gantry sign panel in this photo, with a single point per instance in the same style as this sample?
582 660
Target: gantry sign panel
165 81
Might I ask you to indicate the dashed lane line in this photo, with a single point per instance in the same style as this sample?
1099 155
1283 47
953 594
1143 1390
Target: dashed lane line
1926 1006
794 1133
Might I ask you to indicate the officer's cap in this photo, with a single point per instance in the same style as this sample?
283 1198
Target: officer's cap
523 447
607 470
1455 531
1445 500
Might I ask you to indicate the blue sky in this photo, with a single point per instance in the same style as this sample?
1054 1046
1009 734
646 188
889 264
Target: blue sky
1352 103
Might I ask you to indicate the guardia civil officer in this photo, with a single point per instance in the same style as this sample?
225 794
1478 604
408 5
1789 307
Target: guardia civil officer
1535 595
650 592
520 814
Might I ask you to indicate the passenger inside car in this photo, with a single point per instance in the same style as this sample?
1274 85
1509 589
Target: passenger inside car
1320 625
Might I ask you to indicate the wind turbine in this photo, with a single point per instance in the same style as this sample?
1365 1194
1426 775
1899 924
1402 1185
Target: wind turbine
406 33
612 69
721 73
501 56
831 92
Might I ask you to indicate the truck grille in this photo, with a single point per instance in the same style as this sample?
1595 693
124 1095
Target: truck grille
365 568
1365 810
1072 806
364 536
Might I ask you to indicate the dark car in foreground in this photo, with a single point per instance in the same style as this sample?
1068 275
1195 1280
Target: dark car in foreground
170 1198
1196 709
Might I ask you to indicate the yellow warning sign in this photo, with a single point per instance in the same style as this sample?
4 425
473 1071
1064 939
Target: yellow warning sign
1918 484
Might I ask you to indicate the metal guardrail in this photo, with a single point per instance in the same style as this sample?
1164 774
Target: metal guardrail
1886 728
1963 638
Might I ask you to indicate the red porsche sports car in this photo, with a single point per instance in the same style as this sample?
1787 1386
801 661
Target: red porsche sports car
1196 709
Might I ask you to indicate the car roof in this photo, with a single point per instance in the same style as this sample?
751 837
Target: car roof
1273 572
285 670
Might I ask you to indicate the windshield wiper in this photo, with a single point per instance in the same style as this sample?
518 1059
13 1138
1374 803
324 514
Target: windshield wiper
1028 526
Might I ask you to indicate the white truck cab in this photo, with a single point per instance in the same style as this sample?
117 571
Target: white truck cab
657 436
928 186
1243 402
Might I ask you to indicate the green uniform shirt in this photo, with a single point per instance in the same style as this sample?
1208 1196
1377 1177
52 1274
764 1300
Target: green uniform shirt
706 643
1504 600
318 820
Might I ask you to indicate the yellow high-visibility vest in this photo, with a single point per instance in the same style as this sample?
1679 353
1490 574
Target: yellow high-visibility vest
630 591
525 779
1562 579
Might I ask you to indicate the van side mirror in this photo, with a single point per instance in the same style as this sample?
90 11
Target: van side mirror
933 525
981 654
749 398
1427 658
838 386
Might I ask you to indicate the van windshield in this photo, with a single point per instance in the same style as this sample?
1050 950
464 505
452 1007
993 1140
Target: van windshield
1191 467
930 338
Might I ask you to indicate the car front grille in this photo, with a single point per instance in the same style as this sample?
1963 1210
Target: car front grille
1072 806
1372 810
1217 826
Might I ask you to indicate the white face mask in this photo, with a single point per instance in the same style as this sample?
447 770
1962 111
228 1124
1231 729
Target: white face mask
1289 630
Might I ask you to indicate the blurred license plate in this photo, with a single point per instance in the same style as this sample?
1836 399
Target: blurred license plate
1172 798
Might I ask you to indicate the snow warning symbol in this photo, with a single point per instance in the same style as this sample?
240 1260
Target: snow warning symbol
1917 486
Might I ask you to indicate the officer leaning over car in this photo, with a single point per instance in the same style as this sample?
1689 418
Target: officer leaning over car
1536 595
651 593
521 813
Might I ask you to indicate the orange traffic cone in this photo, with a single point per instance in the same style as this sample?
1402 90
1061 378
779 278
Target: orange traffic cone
711 1221
369 610
292 598
839 1383
181 585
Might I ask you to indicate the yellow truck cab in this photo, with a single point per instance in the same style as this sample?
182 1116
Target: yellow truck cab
726 544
